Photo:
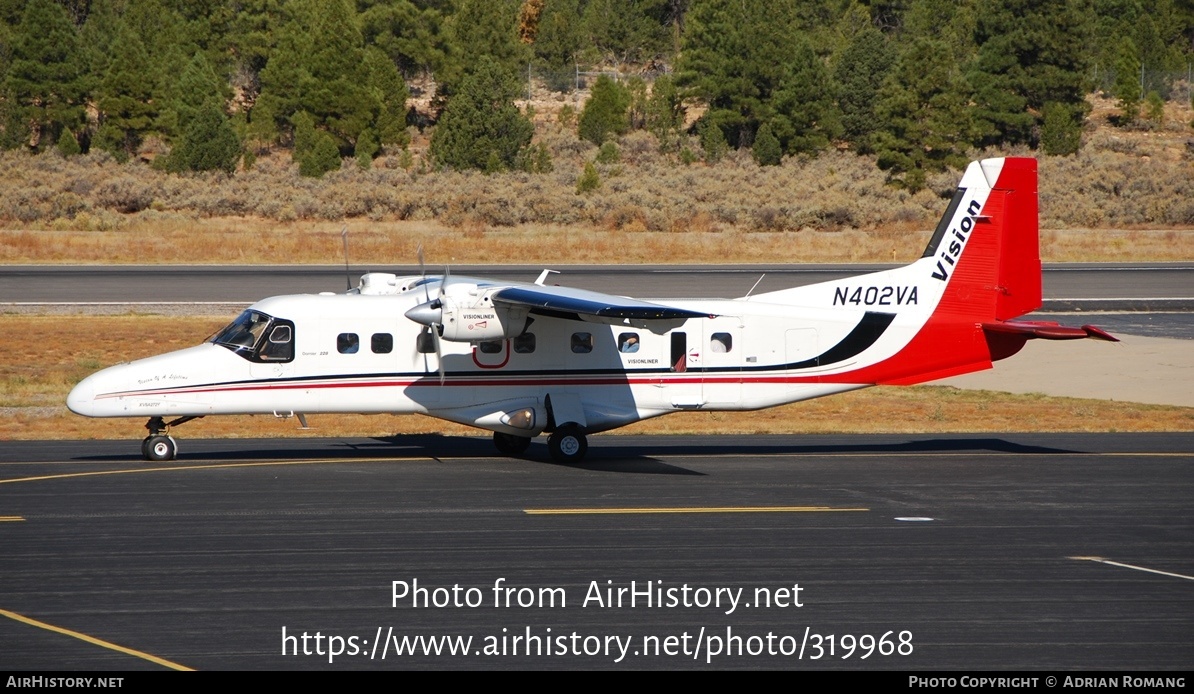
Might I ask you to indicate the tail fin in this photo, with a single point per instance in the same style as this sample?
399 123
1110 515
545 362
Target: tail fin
993 218
950 312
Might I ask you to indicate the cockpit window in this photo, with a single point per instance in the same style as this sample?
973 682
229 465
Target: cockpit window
279 346
247 337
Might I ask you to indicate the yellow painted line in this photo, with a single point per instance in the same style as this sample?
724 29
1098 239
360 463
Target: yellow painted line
97 642
212 466
10 519
1101 560
691 509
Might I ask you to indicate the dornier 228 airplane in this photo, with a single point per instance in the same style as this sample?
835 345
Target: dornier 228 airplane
521 359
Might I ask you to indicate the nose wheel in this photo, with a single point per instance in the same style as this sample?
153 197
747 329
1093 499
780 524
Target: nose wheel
159 446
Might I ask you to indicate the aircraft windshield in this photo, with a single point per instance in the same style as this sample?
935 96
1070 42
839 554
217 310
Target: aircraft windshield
244 333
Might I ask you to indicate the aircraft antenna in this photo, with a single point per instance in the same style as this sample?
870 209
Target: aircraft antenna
756 284
347 276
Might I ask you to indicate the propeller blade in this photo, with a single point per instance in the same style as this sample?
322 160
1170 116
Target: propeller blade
423 273
439 353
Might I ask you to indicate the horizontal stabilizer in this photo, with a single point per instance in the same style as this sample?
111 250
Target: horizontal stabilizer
1049 330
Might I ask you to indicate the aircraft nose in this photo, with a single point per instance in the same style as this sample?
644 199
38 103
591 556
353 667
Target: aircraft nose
82 397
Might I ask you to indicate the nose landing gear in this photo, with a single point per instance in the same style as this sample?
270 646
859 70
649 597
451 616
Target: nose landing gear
160 447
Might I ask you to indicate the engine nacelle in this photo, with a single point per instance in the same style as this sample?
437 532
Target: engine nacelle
481 324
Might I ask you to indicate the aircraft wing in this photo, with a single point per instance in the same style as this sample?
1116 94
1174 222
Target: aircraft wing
570 303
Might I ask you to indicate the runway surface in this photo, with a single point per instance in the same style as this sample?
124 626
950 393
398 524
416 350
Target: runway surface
1018 552
1067 286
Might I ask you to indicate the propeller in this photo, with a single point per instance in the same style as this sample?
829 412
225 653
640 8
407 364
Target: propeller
431 312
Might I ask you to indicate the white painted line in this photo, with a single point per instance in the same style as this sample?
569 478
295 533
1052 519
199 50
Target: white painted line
915 519
1130 566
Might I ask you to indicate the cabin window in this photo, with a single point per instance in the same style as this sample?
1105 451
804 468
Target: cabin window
582 343
382 343
425 342
721 342
348 343
490 347
628 343
524 343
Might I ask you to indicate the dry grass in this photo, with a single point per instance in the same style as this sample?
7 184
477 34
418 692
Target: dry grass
49 354
1128 195
384 244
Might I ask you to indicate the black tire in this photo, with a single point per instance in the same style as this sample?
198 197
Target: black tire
509 444
159 449
568 445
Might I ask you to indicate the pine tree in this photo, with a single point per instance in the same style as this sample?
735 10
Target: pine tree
604 114
751 64
1127 81
623 31
389 94
481 126
859 74
1154 109
318 68
126 97
413 34
197 84
713 140
734 59
45 86
366 148
68 144
1029 53
323 157
665 113
558 41
482 29
315 150
806 117
924 115
766 148
208 142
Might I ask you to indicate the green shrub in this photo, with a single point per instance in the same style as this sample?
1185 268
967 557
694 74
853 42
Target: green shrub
1061 132
589 180
608 154
766 149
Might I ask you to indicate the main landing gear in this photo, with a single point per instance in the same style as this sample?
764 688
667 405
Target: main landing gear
160 447
567 444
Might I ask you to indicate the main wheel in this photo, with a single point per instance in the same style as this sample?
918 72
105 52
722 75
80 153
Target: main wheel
509 444
568 444
159 448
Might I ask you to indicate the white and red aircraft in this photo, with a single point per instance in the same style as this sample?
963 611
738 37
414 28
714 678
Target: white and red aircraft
520 359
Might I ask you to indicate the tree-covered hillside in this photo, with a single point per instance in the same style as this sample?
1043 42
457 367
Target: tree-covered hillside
917 84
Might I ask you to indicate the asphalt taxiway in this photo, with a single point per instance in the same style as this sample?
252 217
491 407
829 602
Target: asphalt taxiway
982 552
